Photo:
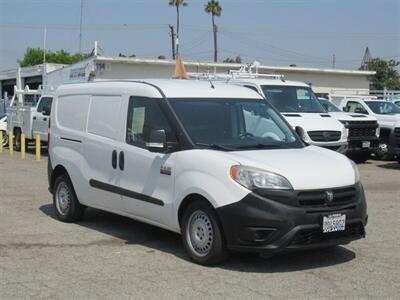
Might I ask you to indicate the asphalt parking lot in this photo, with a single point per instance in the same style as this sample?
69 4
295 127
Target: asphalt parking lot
107 256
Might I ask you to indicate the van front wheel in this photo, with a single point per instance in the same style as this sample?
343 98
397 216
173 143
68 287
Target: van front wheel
202 234
65 202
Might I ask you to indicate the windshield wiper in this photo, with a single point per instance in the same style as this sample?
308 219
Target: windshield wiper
262 146
214 146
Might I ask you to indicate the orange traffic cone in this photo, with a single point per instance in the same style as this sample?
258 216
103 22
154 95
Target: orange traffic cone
180 71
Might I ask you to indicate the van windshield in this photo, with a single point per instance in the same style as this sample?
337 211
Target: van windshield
292 99
234 124
329 106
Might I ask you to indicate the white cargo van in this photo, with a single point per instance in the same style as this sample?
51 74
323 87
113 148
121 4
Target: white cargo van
213 162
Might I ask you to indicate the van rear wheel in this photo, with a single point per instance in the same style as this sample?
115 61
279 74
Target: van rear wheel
202 234
65 202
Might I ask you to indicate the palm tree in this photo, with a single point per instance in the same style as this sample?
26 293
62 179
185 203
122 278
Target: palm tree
215 9
177 4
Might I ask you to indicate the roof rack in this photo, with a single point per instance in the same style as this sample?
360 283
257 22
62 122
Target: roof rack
245 71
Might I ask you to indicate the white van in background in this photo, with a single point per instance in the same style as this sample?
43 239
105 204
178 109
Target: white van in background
297 103
213 162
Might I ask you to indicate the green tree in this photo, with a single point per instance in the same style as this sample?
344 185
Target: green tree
235 60
177 4
386 74
213 8
34 56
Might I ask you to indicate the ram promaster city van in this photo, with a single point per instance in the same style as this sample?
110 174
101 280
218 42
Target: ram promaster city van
213 162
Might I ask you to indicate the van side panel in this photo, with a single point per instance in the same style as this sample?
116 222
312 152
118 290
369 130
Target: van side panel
68 131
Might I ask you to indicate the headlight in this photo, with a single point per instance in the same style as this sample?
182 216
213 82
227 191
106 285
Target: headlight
356 173
345 133
257 179
378 132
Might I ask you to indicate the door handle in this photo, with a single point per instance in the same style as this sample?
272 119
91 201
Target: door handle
44 119
114 159
34 118
121 160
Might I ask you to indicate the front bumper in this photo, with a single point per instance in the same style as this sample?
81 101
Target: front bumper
394 141
276 223
356 145
340 147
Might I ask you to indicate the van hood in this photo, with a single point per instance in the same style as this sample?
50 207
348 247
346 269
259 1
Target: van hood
306 169
342 116
313 121
388 120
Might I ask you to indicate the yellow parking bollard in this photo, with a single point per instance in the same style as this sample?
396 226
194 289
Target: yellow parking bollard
23 146
10 143
1 141
37 147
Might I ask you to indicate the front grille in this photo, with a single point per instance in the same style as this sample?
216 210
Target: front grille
307 237
397 136
362 129
324 136
340 196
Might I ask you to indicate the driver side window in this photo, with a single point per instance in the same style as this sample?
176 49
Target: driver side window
355 107
144 116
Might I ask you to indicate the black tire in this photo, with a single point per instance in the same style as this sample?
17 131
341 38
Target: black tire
216 247
5 139
382 153
69 209
17 140
360 157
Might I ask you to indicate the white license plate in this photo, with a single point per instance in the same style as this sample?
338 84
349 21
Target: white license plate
334 223
366 144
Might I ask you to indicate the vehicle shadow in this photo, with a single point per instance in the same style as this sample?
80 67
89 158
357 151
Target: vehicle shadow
391 166
137 233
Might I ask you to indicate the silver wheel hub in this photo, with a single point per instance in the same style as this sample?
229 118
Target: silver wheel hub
200 233
63 198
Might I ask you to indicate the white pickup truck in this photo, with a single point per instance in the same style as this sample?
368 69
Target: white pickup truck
24 116
3 129
388 116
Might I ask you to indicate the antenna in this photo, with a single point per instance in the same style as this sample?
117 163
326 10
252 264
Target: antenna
80 29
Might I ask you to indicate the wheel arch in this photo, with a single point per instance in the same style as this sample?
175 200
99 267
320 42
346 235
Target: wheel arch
58 171
190 199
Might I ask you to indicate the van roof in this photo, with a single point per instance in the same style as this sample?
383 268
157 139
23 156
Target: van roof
171 88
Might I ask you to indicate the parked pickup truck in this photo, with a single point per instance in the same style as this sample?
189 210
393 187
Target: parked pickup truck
388 116
3 129
363 131
25 117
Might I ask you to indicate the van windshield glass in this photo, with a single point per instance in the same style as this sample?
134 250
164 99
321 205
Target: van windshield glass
292 99
234 124
383 107
329 106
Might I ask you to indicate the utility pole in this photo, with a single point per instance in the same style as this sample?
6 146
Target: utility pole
80 29
173 36
333 61
44 71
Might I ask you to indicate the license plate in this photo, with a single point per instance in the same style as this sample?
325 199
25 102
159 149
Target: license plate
334 223
366 144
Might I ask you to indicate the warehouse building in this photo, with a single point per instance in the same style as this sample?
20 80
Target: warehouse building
323 81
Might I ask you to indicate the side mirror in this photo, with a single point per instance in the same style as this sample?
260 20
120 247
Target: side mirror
157 141
345 109
301 133
46 111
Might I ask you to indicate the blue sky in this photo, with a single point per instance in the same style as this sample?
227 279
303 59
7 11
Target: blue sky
274 32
